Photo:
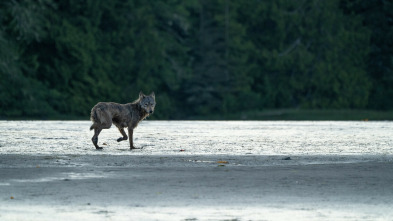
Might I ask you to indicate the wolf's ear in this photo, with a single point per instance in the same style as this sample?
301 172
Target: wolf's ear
153 95
141 95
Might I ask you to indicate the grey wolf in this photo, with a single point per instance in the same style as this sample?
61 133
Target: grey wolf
103 114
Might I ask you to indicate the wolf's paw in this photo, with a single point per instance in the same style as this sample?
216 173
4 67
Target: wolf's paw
122 138
99 148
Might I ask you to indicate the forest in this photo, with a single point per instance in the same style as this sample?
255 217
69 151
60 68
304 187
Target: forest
202 58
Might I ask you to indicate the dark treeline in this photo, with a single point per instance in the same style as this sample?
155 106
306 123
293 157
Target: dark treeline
201 57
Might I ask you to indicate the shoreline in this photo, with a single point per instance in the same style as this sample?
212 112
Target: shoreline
283 114
182 159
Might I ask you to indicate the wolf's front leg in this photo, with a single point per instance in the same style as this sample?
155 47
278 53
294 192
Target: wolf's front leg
130 133
122 133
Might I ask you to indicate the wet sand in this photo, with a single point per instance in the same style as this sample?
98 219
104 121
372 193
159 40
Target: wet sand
195 187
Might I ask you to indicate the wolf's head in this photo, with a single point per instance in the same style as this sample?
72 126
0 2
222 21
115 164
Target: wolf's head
147 102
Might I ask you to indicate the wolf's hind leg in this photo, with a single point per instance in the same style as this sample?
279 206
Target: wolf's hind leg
95 138
125 137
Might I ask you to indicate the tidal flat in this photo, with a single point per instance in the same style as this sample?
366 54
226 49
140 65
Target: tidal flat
198 170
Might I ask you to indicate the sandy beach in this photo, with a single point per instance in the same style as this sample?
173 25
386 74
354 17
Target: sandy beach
197 170
83 187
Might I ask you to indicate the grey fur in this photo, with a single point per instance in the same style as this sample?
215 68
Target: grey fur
128 115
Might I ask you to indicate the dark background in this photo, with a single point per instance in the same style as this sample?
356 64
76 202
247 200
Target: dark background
204 59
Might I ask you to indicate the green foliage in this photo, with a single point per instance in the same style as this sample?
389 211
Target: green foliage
311 57
377 16
202 57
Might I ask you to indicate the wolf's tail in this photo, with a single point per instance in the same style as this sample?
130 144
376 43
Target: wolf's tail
94 118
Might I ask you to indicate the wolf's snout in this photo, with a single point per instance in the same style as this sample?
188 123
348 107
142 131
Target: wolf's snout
151 111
